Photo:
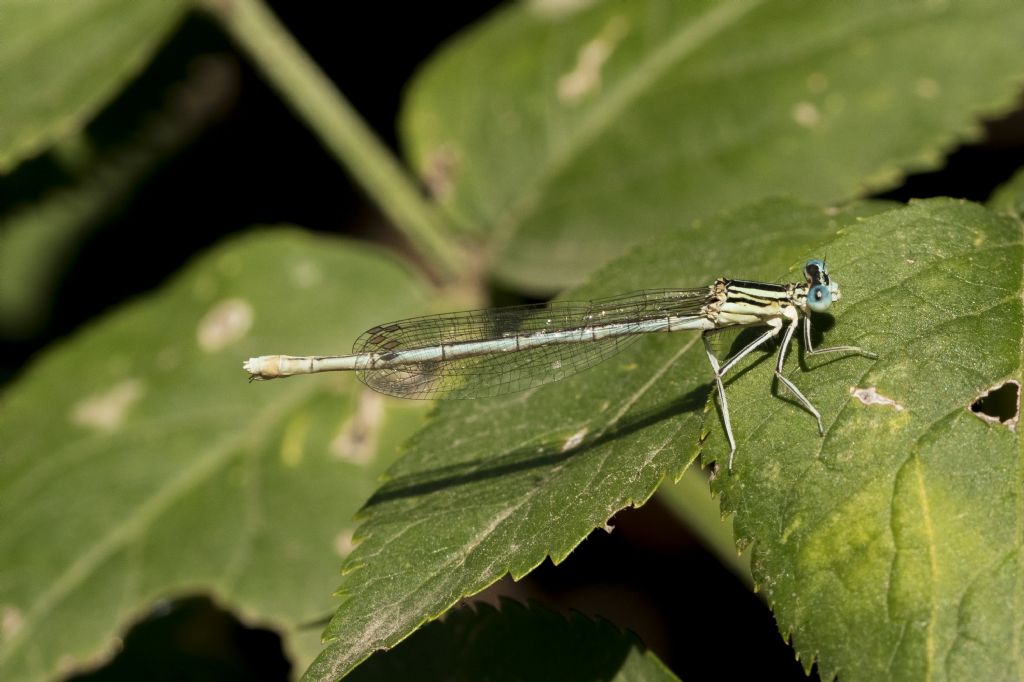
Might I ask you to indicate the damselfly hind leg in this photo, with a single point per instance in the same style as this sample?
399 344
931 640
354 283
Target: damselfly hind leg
720 371
721 396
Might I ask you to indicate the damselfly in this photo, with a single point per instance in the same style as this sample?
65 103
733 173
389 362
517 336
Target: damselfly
483 353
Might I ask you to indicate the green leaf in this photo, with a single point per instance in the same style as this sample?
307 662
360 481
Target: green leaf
559 135
139 464
490 487
892 547
61 61
516 643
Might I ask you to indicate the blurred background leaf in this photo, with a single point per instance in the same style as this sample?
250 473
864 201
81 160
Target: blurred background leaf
1009 197
38 239
557 138
133 471
60 62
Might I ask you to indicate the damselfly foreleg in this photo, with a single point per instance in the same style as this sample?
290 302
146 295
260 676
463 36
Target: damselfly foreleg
811 350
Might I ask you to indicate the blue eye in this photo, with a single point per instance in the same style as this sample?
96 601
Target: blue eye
819 298
814 270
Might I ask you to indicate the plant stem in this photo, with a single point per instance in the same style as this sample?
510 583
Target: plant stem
309 92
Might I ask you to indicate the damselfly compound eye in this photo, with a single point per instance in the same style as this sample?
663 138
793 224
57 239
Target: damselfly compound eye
819 298
813 270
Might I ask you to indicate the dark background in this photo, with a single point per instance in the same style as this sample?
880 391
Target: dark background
254 163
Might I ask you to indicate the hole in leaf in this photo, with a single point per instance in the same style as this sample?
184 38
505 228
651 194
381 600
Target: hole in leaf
999 404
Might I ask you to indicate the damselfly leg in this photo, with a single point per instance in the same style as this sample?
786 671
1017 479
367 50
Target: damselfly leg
775 326
811 350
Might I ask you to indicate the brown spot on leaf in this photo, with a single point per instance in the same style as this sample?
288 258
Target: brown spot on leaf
439 172
356 442
871 396
106 410
586 75
225 323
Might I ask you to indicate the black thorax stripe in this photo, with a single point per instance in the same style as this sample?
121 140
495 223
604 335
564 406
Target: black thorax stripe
760 294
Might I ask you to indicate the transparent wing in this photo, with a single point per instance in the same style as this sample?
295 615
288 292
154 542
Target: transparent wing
514 370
